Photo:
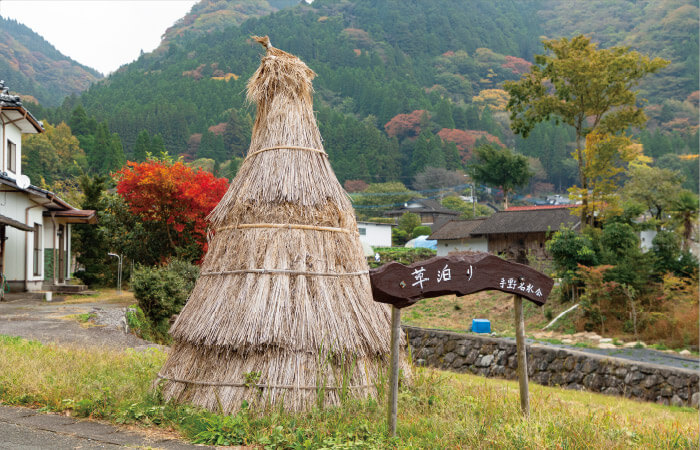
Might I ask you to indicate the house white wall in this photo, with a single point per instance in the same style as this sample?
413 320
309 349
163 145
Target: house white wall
375 234
14 134
14 205
475 244
645 238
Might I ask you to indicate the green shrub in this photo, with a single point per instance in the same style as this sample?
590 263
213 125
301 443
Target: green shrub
408 221
422 230
401 255
161 292
398 236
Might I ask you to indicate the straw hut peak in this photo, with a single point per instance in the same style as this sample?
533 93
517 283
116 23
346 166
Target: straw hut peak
284 297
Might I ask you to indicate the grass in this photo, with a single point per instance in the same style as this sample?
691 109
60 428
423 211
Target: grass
437 410
456 313
102 295
84 319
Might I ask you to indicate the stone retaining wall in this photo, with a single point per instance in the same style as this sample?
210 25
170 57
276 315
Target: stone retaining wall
550 366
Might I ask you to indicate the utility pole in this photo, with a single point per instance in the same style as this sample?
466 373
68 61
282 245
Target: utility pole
119 272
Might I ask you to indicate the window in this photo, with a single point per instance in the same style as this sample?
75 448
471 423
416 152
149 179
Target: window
37 249
363 231
11 156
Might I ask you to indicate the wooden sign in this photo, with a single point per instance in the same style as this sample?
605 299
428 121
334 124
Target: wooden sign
461 274
401 286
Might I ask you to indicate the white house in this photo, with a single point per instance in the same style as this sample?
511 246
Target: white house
457 236
375 234
35 224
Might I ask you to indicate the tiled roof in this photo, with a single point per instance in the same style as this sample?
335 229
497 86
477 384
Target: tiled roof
537 207
456 229
5 98
13 109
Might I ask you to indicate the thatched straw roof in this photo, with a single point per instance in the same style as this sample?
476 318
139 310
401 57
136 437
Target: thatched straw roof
283 308
528 221
456 229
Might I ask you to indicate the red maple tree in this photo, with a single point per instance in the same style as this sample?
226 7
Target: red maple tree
465 140
517 65
173 195
406 125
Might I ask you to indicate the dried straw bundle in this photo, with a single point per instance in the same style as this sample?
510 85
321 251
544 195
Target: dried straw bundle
283 310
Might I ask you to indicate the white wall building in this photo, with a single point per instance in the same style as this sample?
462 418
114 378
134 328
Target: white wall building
456 236
35 225
375 234
645 239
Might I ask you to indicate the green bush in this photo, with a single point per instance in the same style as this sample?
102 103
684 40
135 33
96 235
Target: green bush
422 230
408 221
398 236
401 255
161 292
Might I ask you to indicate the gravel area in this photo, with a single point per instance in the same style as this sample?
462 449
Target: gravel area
55 322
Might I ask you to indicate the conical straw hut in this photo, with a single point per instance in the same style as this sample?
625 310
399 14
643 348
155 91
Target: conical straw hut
282 312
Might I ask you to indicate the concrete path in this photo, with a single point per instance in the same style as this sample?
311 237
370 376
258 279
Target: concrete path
49 323
645 355
24 428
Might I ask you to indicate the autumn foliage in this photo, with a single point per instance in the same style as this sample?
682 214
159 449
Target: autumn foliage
466 140
172 195
517 65
406 125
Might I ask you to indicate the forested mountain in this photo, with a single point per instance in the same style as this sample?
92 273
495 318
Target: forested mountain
210 15
402 84
33 67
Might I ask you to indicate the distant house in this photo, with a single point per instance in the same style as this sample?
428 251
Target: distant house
375 234
513 233
457 236
431 212
35 224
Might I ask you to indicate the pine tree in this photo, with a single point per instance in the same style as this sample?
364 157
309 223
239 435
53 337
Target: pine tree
143 146
88 241
97 155
79 122
157 145
237 134
212 146
443 116
452 159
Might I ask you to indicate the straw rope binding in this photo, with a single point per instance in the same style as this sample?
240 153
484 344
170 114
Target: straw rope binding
268 386
295 226
287 272
287 147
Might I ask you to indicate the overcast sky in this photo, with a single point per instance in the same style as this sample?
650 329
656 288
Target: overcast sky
102 34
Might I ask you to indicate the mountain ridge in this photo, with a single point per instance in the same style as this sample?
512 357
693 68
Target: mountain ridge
32 66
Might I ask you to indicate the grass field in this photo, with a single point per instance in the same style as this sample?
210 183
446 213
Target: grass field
456 313
437 410
102 295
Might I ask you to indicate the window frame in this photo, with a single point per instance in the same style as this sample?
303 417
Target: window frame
11 156
38 268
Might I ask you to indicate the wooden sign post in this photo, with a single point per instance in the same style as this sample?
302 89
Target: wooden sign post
394 370
402 286
522 355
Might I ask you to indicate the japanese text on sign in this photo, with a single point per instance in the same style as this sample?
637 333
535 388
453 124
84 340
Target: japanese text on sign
519 285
